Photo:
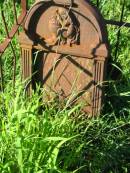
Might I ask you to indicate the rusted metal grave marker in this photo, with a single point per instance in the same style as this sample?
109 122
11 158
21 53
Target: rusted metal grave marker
70 41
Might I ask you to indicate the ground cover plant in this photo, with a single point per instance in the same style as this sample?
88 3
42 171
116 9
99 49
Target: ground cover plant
39 137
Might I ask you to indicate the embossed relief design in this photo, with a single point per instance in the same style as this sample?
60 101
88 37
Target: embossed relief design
67 77
62 29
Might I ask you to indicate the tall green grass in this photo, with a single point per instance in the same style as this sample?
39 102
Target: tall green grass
45 137
49 137
30 141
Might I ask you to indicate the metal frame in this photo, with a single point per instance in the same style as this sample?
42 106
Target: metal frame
19 20
8 41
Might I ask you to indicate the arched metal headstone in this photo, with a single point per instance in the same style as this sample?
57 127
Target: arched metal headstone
65 46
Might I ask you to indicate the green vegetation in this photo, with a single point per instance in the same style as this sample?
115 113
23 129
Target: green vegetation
57 139
39 137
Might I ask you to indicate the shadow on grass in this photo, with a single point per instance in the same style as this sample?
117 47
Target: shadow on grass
117 91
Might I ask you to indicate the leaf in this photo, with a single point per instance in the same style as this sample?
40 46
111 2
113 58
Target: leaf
19 154
79 169
41 171
53 158
117 67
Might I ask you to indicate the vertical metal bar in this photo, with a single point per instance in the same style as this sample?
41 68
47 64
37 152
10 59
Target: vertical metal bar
98 1
13 51
24 10
15 13
14 65
119 32
94 88
1 76
5 25
1 69
24 5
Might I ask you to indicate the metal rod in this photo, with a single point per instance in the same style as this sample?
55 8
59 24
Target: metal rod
15 14
13 31
13 51
117 23
1 76
15 27
3 18
119 32
14 65
98 3
24 4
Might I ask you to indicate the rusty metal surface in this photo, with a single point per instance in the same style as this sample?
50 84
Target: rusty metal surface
73 49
